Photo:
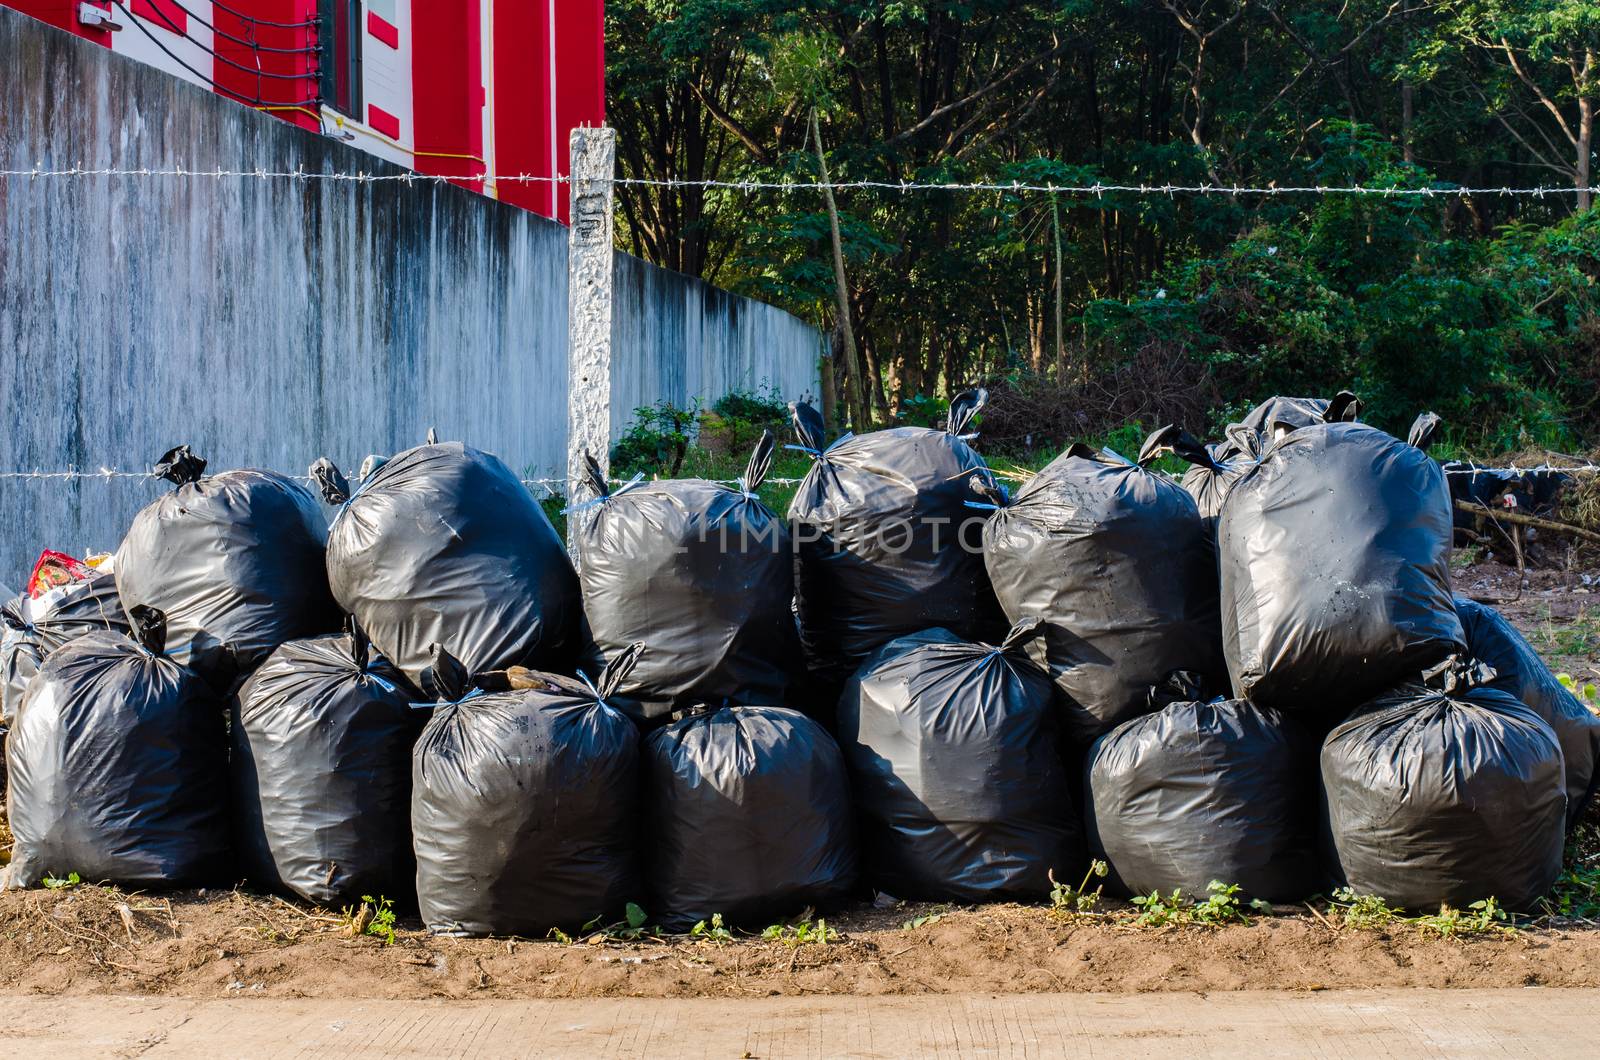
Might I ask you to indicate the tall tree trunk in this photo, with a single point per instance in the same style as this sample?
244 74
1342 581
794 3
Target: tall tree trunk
1061 338
852 364
1407 113
1035 332
874 378
1585 149
830 393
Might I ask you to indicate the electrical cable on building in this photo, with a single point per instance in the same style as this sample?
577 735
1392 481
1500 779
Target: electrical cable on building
253 45
302 76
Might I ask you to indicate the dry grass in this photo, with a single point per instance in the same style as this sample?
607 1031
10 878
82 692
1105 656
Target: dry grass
1580 500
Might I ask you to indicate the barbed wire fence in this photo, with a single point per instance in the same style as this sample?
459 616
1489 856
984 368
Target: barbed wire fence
554 487
40 171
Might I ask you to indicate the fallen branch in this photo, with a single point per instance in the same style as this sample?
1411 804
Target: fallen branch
1526 520
1319 916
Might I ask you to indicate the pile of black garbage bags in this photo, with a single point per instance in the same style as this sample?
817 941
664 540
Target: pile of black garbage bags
925 682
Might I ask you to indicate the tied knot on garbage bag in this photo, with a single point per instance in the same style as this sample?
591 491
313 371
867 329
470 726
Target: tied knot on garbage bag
446 680
758 466
149 628
995 495
331 483
179 466
614 674
1457 673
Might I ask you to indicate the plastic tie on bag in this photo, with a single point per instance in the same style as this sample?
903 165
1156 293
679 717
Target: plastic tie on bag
593 690
446 680
422 704
818 454
381 682
361 654
615 672
632 483
149 629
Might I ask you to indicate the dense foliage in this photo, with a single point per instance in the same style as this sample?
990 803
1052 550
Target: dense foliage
1484 307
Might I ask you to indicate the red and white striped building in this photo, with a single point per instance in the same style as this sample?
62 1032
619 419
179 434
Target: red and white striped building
460 88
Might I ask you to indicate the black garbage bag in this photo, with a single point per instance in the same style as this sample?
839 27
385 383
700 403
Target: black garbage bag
1291 413
322 738
749 816
523 804
235 561
1335 559
706 574
956 772
118 763
1224 463
444 545
30 629
1442 792
1203 791
1519 671
1116 562
1217 468
885 543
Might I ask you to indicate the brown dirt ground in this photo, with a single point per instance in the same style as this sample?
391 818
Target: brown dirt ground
89 940
225 944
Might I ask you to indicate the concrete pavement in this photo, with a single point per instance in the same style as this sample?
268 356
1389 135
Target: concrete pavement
1388 1023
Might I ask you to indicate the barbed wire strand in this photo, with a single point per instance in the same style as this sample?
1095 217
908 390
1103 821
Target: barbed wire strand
108 473
788 186
551 483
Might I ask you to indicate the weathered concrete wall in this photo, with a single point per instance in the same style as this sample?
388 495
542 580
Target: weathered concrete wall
267 322
685 338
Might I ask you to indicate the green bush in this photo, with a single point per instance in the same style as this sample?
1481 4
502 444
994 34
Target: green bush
764 405
735 421
656 441
1498 335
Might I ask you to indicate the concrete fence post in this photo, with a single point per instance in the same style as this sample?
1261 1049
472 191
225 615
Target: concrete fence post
589 280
